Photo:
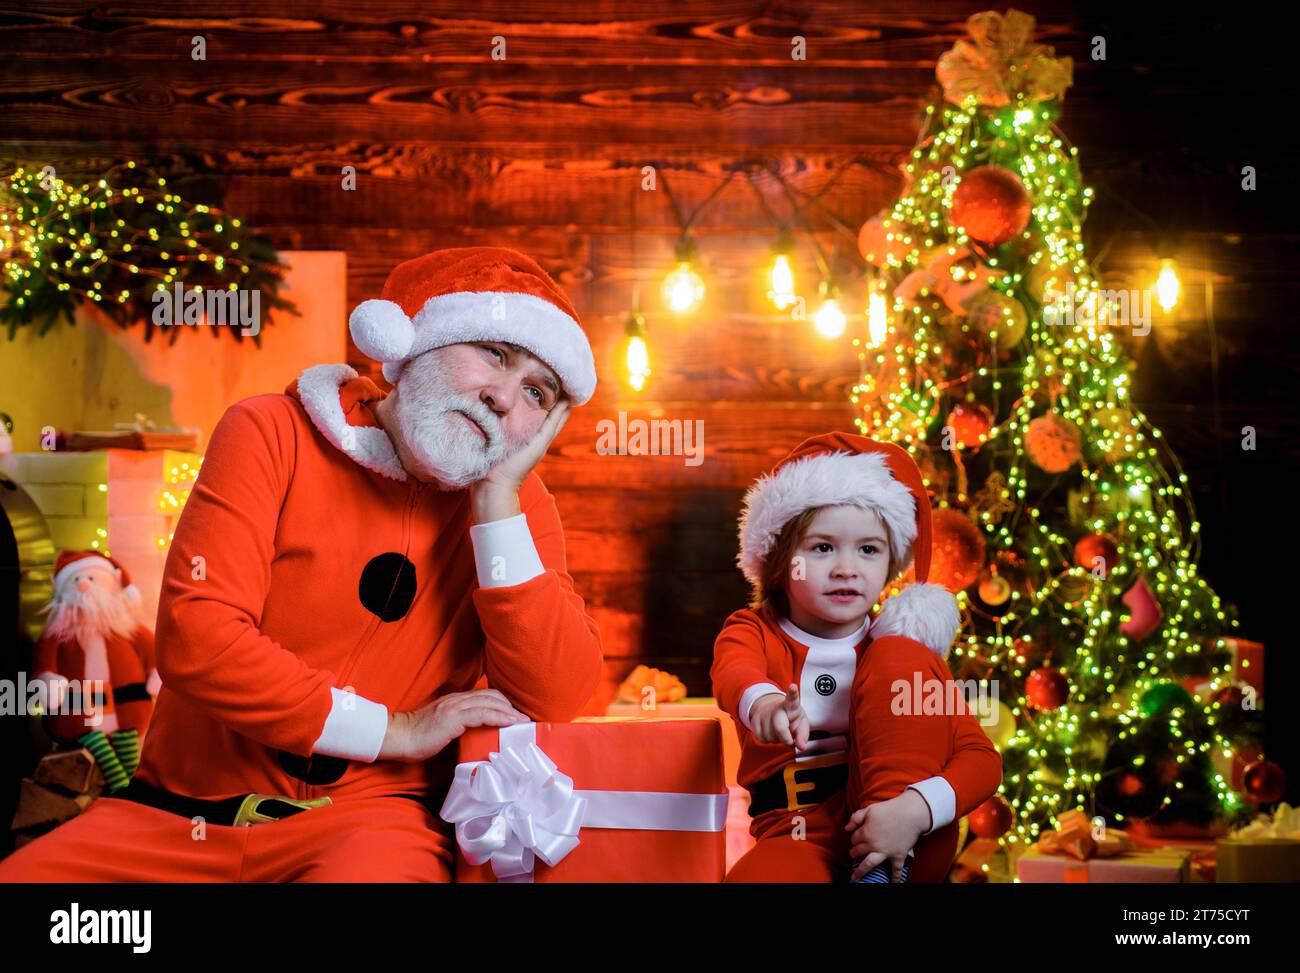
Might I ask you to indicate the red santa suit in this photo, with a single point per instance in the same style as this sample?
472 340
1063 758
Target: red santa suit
847 685
312 588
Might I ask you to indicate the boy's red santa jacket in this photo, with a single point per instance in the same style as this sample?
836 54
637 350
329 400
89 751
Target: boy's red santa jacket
312 587
757 653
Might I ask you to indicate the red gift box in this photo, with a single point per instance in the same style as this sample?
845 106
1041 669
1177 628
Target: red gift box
600 799
1247 662
1246 666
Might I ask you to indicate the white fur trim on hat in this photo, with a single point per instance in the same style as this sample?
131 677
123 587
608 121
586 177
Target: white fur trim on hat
820 480
520 319
90 562
381 330
318 388
924 612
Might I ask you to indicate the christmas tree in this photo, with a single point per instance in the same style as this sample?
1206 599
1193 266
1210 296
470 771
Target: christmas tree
1062 519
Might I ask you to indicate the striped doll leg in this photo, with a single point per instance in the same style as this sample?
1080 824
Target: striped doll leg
115 776
126 744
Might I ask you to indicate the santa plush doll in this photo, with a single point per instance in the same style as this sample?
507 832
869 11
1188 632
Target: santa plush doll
95 662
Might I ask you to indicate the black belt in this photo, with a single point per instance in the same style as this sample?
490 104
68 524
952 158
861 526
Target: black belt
239 811
799 784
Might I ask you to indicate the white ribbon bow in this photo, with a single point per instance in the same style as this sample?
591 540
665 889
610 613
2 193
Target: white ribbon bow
517 806
514 807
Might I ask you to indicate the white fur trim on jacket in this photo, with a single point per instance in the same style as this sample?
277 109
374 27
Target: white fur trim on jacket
450 319
924 612
820 480
318 387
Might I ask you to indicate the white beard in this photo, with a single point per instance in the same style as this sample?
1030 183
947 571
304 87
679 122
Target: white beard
84 614
444 445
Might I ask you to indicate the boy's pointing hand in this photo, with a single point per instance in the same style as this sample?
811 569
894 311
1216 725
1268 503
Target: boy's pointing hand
796 718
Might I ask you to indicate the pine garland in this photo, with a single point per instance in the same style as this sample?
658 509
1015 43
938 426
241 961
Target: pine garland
115 239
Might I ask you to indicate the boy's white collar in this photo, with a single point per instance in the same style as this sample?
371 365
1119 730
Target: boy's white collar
817 642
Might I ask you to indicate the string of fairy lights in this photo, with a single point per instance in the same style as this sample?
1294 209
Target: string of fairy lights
178 479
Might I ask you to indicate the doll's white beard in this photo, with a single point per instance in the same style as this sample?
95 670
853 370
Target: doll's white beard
440 440
86 614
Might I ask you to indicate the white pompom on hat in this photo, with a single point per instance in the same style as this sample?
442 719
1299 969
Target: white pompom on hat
464 294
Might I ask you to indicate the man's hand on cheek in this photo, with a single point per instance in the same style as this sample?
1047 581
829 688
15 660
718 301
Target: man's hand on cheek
496 496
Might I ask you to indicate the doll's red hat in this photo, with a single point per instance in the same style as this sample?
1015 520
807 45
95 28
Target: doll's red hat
70 562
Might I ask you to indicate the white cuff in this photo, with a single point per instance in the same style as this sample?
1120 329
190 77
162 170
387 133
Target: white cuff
938 793
153 683
750 695
55 691
354 729
504 552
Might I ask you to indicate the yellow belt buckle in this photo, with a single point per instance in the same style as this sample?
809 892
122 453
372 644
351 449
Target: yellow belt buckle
794 788
248 815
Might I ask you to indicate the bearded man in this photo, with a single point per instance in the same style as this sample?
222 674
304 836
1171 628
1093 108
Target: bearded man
347 568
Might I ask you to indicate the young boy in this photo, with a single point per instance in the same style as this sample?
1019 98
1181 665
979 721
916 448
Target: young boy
814 682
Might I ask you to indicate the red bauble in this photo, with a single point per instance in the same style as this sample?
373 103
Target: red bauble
1094 546
1130 785
1263 781
874 241
992 819
1047 688
1053 443
994 590
957 551
991 204
970 423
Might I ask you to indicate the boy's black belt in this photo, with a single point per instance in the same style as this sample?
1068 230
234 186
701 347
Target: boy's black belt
800 783
242 810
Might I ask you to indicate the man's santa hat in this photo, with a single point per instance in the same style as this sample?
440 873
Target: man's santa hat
70 563
842 468
475 294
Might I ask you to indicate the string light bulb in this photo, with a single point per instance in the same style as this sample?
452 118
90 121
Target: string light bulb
1167 286
683 288
829 320
781 275
636 353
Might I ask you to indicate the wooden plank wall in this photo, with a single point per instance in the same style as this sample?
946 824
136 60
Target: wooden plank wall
544 151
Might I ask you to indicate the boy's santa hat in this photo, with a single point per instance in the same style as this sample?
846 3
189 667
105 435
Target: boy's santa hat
70 563
842 468
475 294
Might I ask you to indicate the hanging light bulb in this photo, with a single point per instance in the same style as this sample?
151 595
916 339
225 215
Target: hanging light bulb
829 320
683 288
877 316
636 353
781 275
1167 285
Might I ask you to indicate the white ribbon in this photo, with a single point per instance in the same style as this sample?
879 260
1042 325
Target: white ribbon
517 806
